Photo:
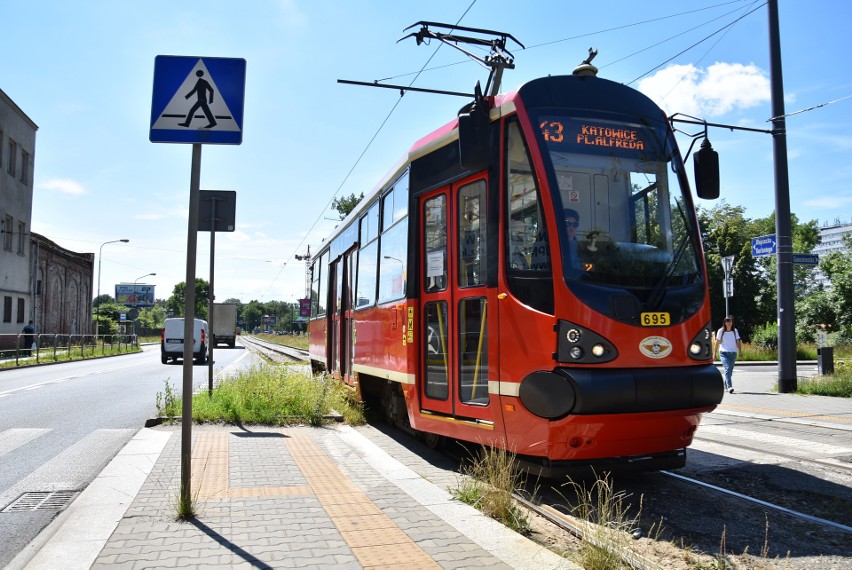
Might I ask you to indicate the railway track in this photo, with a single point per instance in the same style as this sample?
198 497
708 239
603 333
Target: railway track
279 353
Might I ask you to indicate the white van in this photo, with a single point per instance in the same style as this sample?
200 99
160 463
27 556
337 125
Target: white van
171 343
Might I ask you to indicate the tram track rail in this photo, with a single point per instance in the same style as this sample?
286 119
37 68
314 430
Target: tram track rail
760 502
552 512
280 353
808 460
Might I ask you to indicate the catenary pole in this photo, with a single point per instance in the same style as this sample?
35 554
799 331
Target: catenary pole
783 231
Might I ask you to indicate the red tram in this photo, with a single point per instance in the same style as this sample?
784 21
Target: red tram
530 276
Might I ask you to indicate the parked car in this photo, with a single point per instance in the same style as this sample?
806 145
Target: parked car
171 342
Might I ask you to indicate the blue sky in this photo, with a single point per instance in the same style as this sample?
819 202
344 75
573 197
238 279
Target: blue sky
83 71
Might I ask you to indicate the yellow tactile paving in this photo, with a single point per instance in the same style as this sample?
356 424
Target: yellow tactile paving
210 465
210 473
378 543
786 413
374 539
397 556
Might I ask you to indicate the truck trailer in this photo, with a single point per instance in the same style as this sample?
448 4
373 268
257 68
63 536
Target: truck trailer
223 324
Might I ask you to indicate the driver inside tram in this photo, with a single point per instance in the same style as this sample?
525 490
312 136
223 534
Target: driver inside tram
572 221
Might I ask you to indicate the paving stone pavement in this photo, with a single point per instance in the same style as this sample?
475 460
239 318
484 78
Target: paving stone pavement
293 497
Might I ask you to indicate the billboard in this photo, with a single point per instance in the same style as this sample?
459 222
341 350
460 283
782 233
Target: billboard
304 307
134 294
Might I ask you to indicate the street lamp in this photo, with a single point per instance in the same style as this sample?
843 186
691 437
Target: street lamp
100 258
136 302
138 278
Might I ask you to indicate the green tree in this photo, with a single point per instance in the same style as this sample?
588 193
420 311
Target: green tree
726 231
100 299
346 204
107 315
177 301
152 317
837 266
252 314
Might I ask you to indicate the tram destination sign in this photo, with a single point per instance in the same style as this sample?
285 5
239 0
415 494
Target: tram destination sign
764 245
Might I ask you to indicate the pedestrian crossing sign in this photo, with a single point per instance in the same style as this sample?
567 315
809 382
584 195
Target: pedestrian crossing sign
198 100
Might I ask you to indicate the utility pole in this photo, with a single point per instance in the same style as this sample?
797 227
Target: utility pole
783 226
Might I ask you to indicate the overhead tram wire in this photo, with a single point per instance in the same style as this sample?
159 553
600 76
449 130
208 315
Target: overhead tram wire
799 112
590 34
725 27
698 61
670 38
361 156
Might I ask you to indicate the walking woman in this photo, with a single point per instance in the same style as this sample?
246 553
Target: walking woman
729 345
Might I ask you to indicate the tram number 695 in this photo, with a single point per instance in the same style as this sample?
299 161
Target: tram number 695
655 319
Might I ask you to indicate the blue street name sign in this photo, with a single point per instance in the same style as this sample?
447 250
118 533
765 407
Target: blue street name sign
198 100
765 245
806 258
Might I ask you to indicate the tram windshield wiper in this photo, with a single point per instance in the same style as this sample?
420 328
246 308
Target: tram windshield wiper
658 292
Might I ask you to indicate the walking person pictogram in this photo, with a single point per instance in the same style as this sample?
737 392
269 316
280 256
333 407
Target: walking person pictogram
201 88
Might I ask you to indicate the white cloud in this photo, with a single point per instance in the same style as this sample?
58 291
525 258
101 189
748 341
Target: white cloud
720 89
63 186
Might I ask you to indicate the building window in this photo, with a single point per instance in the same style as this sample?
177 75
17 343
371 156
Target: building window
13 152
7 309
22 231
7 233
25 166
1 148
21 304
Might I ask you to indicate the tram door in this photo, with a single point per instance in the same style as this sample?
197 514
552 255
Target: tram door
340 337
340 311
456 348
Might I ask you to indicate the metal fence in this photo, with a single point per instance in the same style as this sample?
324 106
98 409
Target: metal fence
53 347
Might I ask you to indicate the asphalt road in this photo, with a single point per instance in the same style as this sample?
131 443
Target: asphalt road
61 424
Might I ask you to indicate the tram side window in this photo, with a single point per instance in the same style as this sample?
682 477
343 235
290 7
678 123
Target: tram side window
322 287
395 203
472 236
527 240
473 351
315 282
368 268
435 243
394 239
435 350
393 262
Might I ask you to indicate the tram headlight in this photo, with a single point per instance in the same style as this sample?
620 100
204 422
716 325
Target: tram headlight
700 347
580 345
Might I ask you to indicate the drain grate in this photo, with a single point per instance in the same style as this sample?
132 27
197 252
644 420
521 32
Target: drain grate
41 501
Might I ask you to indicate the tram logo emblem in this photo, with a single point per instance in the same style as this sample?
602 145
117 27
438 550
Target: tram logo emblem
655 347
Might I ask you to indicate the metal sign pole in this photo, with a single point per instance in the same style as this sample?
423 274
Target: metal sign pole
189 328
210 315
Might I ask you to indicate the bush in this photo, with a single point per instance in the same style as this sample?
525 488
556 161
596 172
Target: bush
766 336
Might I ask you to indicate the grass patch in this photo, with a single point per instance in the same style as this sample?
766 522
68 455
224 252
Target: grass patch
488 483
609 529
297 340
268 395
66 354
805 351
838 384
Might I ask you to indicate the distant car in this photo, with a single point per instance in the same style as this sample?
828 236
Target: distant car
171 342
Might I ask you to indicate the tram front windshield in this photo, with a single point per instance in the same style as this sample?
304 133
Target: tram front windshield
625 221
